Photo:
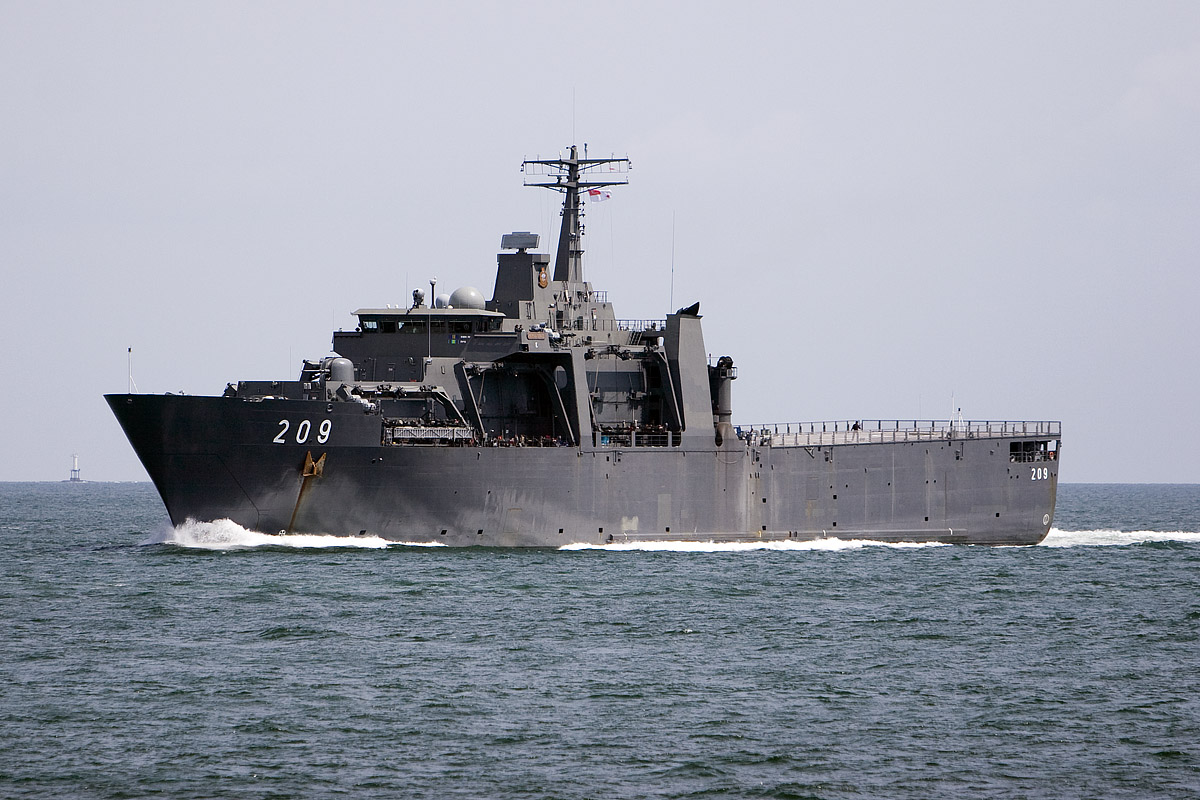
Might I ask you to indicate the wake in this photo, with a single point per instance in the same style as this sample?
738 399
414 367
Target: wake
1113 538
1056 538
224 534
744 547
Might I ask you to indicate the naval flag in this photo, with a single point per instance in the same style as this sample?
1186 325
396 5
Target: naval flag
599 195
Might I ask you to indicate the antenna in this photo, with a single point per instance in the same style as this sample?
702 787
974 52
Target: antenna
570 175
132 385
671 304
429 327
956 417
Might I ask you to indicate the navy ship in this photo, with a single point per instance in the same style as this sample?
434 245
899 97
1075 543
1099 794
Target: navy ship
539 418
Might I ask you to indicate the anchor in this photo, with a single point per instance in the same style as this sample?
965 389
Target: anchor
311 469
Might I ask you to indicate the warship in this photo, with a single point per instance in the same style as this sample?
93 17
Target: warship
539 418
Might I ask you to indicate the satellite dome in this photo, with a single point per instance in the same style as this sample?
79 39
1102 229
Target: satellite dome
467 297
441 301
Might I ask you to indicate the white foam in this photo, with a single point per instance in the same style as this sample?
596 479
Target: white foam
224 534
742 547
1056 538
1112 538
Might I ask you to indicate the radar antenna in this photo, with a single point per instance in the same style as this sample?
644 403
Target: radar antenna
570 175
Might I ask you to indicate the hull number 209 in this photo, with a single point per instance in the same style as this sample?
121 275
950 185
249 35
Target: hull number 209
303 431
1039 473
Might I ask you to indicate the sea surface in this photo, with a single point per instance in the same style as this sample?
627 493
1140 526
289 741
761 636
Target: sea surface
206 661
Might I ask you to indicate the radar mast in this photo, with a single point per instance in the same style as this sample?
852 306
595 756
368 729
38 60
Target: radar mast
570 175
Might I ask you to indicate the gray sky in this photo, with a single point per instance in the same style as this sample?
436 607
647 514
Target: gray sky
884 208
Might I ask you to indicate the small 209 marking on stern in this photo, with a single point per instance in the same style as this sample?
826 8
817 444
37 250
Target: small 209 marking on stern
1039 473
303 430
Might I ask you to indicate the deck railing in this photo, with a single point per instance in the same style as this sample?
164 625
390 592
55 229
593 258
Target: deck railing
631 438
640 325
817 434
654 325
428 434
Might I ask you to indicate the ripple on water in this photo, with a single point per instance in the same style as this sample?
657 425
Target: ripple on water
225 665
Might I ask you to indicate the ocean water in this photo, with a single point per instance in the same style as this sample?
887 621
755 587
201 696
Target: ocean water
138 660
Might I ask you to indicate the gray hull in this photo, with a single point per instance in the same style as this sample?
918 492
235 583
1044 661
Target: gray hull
213 458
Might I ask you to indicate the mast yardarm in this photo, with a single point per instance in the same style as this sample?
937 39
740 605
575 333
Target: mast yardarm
570 175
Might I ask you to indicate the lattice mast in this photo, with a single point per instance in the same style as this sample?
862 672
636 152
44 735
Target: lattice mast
570 176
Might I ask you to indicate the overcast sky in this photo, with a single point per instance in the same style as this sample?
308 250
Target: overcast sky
887 210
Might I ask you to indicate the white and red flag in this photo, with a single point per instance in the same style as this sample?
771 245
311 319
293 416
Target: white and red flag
599 195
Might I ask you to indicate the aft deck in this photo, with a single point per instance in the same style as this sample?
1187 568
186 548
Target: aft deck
841 432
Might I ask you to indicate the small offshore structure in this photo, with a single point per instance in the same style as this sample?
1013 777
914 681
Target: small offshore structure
75 469
540 418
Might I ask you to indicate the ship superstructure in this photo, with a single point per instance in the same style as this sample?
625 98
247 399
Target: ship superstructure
540 418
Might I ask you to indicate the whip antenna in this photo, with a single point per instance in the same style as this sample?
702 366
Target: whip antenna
671 304
132 385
